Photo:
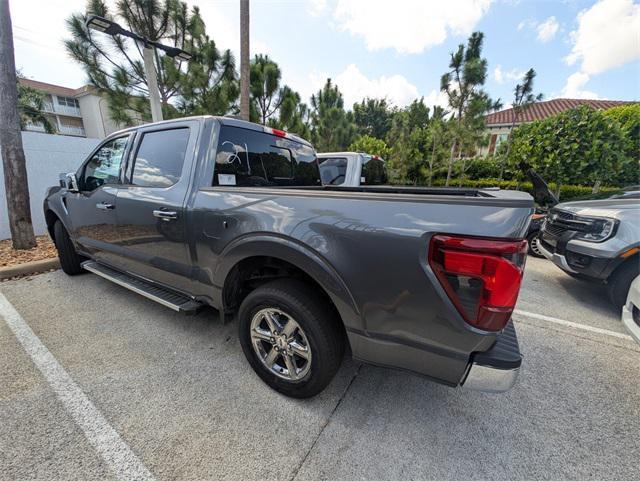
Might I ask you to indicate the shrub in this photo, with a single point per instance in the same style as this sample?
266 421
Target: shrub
567 192
578 146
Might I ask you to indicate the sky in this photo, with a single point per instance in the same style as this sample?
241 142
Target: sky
395 49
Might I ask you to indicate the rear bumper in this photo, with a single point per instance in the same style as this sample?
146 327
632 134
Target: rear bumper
497 369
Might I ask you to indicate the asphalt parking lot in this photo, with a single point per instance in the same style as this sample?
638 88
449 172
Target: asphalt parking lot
173 395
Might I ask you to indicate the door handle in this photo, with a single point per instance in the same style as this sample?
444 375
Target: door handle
105 206
166 215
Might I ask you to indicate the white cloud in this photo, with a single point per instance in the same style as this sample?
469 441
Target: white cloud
436 97
502 76
317 7
354 86
607 36
408 26
573 88
548 29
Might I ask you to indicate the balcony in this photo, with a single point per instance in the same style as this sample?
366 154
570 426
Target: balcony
71 130
34 127
56 108
65 110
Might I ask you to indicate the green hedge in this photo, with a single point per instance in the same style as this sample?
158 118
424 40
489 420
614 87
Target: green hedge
567 192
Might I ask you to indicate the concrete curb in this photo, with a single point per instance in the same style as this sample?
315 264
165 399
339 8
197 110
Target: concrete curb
28 268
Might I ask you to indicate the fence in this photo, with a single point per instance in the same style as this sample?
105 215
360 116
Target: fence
47 156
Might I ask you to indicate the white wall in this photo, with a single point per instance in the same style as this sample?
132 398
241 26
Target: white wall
47 156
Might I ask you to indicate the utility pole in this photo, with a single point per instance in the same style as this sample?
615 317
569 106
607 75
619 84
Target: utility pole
244 59
13 160
152 82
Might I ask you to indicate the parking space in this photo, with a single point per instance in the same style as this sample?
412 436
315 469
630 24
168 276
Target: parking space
181 397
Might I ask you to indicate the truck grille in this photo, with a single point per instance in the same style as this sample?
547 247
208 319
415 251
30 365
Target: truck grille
559 221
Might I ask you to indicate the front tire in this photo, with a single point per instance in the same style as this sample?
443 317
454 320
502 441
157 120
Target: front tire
291 337
620 281
534 251
70 260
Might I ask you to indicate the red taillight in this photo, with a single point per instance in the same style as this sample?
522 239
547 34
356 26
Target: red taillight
481 276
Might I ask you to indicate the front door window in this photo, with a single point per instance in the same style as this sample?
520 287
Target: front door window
104 167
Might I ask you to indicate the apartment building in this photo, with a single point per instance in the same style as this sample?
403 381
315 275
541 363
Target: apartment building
81 112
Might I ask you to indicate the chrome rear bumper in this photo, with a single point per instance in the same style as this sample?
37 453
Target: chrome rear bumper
496 370
490 379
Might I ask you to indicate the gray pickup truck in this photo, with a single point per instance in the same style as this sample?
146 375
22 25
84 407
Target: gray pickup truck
211 211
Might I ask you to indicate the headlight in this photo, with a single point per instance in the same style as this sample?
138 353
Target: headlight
598 230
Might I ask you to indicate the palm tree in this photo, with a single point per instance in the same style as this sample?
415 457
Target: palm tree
30 109
245 67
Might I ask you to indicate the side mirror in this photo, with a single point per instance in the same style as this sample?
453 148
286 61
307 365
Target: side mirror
69 181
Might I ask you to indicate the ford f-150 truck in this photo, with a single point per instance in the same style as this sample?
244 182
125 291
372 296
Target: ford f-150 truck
211 211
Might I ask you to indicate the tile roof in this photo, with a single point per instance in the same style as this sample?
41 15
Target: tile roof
50 88
549 108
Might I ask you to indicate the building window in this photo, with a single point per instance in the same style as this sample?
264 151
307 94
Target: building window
501 138
68 102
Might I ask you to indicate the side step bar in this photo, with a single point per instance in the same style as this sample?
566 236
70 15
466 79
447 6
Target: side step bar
166 297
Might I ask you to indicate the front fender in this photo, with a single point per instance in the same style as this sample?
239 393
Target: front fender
54 202
299 255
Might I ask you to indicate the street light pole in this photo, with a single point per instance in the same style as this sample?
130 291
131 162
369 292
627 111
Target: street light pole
109 27
152 82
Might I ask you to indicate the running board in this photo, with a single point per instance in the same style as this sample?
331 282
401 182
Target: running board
166 297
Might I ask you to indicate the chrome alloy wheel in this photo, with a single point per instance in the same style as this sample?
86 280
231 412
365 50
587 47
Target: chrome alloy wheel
535 248
281 344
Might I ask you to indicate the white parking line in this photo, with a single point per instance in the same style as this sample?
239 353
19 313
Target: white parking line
114 451
575 325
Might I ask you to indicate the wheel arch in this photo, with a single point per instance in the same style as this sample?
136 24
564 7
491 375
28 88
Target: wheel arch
272 250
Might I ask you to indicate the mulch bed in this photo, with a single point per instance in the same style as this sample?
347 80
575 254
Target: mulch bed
10 257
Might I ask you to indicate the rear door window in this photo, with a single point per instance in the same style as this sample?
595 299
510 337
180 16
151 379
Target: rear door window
333 170
248 158
374 171
160 158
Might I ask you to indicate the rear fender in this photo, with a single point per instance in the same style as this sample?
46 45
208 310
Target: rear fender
300 256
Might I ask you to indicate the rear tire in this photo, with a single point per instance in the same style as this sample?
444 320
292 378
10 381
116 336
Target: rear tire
317 335
620 281
70 260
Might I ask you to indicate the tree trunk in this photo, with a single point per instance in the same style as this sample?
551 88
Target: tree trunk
244 59
451 156
13 161
506 155
433 154
462 169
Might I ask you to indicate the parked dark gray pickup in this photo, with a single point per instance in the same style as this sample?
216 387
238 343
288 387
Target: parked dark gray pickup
220 212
